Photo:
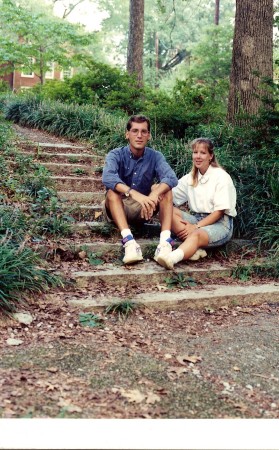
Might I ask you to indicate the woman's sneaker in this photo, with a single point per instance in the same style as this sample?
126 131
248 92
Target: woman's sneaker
165 261
132 252
200 253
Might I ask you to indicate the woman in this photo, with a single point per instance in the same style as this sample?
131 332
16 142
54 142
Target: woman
211 196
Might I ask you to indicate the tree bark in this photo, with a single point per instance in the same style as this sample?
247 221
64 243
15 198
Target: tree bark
252 57
217 12
135 41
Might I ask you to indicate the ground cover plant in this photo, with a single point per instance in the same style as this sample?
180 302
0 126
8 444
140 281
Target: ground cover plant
28 210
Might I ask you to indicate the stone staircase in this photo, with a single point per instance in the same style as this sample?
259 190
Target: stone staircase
76 174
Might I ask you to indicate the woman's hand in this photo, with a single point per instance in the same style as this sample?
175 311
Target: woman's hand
187 229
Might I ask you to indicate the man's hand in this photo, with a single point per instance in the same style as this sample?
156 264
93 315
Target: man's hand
187 229
155 197
147 203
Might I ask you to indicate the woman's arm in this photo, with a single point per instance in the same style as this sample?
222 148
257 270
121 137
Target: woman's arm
189 228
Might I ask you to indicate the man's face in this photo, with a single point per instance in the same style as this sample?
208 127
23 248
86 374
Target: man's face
138 136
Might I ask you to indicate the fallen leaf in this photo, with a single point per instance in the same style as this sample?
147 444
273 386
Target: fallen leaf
237 369
161 288
73 408
192 359
52 369
12 341
178 370
82 254
133 395
152 398
97 214
24 318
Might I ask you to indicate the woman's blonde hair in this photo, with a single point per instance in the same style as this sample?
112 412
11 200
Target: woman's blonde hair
213 162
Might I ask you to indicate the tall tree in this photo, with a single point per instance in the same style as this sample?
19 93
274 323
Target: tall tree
217 12
135 41
252 57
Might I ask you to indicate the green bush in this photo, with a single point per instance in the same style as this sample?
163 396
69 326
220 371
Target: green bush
20 275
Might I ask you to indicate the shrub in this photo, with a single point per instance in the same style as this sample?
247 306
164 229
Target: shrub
20 274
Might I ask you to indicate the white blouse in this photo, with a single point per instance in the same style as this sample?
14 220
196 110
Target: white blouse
215 191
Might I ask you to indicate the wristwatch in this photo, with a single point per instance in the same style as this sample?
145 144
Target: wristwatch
127 193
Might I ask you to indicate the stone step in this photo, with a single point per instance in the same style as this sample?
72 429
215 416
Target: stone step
148 273
101 248
78 184
37 147
208 296
113 247
88 213
72 169
66 157
81 197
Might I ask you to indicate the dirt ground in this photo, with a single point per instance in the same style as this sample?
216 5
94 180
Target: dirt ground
157 364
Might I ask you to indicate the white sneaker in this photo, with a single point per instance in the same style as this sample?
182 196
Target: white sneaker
132 253
200 253
165 261
162 250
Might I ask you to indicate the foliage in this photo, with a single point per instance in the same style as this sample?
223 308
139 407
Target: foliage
94 259
35 39
20 274
123 308
100 84
270 269
179 280
90 320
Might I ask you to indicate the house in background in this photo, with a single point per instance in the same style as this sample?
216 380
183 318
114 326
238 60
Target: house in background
26 79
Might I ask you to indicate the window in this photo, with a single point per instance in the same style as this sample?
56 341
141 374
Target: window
26 69
50 73
66 73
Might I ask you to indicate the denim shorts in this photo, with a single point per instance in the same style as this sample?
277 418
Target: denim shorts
219 233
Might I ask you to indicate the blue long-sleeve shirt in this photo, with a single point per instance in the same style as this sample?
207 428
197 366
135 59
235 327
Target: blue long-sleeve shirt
138 173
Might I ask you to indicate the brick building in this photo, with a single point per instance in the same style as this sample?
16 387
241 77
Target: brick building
25 79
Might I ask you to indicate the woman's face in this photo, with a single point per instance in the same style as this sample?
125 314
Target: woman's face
201 157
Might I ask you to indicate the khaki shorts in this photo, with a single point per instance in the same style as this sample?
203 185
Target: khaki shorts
132 209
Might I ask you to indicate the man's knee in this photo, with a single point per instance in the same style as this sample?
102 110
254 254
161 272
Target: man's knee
112 196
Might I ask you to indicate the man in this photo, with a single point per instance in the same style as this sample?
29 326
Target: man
131 196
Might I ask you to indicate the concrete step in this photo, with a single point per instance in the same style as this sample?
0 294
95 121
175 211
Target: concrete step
81 197
112 246
88 213
149 273
66 157
78 184
80 170
37 147
102 248
208 296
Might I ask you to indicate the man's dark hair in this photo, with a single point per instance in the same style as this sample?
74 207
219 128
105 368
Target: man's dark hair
137 119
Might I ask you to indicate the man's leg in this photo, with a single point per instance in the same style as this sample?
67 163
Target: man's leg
165 214
115 207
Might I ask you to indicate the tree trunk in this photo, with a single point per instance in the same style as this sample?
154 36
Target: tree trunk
217 12
135 42
252 57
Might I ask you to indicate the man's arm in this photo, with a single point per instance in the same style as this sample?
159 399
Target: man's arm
110 177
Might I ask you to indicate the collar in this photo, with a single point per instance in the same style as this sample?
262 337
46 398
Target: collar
132 156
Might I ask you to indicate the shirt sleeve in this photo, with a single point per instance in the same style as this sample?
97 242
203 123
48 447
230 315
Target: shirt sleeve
225 195
110 177
164 172
180 192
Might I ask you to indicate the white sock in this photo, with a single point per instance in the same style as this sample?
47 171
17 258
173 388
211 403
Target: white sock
177 255
125 232
164 235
